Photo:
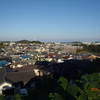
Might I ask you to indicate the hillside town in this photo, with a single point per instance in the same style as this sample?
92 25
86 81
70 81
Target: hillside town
21 64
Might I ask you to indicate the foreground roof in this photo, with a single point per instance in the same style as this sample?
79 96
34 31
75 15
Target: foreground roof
15 77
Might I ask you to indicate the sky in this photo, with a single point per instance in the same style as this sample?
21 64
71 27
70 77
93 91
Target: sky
50 20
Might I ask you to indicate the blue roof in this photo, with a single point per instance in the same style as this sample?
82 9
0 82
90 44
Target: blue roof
83 55
2 63
25 56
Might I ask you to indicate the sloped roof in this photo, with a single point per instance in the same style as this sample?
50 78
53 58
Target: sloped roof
57 68
16 59
45 69
65 68
24 76
49 56
31 52
85 57
2 72
27 68
82 63
8 70
43 63
25 56
45 66
2 63
18 53
5 59
30 61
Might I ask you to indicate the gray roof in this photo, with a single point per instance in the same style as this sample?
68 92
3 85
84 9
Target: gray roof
24 76
8 70
7 75
2 72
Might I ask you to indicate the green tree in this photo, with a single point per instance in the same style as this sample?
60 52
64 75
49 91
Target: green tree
1 45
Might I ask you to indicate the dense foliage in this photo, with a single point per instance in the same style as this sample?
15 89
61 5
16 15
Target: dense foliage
11 97
87 88
36 42
95 49
78 44
94 67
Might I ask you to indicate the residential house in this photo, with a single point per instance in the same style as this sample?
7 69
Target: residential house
11 82
3 63
17 64
25 57
3 83
30 62
34 68
56 70
49 57
9 60
83 64
16 55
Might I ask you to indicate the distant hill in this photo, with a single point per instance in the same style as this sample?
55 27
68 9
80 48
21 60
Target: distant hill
97 41
23 41
64 42
5 41
76 42
27 41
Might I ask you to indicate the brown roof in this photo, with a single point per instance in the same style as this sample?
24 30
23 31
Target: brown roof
27 68
85 57
3 71
25 76
93 57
